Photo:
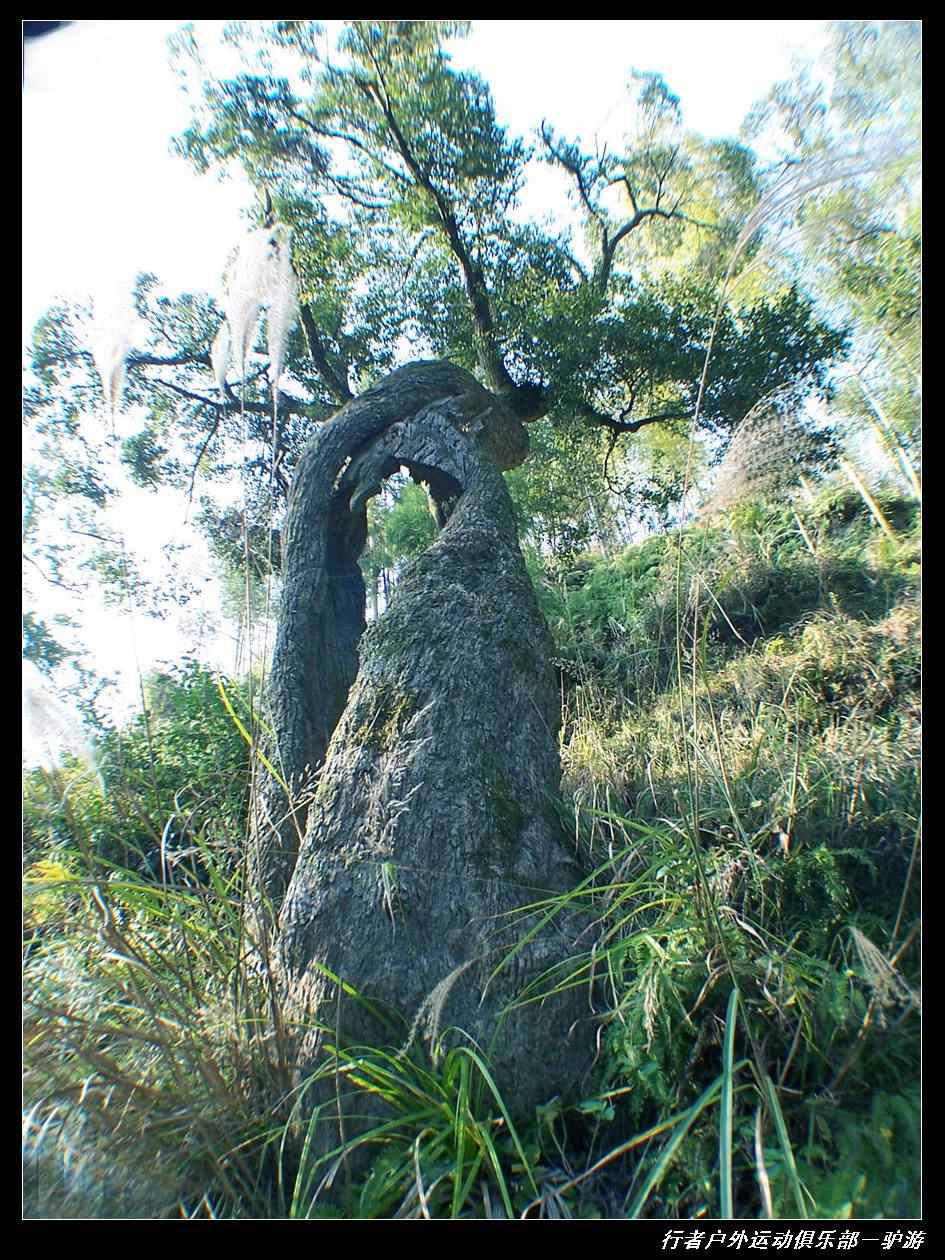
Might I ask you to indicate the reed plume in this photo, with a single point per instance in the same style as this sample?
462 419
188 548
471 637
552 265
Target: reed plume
262 277
283 306
109 342
249 289
55 728
770 451
220 356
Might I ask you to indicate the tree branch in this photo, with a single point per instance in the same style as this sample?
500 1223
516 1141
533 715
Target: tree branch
337 385
586 176
75 590
490 358
177 360
610 248
619 426
206 442
330 134
353 192
234 404
575 264
572 165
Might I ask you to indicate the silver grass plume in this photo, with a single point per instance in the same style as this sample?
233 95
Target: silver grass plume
110 341
431 1009
808 175
251 283
220 356
56 728
887 985
797 181
283 304
770 450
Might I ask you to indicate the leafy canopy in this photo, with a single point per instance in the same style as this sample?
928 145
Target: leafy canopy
405 199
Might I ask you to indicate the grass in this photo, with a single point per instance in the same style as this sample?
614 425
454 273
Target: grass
750 827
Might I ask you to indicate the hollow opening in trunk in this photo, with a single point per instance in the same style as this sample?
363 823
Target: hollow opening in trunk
347 538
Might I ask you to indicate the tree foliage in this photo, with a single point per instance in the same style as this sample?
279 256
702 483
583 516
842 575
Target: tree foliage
858 242
406 202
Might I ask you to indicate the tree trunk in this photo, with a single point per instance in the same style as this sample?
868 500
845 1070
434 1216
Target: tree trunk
315 657
876 511
433 817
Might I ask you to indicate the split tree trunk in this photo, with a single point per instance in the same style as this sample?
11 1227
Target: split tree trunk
401 864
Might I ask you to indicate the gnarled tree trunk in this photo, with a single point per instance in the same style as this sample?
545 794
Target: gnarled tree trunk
432 817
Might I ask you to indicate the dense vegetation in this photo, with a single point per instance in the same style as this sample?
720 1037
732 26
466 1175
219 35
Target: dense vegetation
751 825
739 689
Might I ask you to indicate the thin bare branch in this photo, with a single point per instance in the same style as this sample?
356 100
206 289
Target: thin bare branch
337 383
620 425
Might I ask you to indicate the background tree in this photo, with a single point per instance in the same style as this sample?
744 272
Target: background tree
857 244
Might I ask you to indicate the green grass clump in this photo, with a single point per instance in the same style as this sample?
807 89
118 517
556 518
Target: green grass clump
179 769
760 813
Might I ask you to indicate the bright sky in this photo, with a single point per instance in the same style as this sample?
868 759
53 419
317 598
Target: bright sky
103 198
574 73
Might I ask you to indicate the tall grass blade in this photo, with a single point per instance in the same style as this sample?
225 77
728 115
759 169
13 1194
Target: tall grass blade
685 1123
764 1182
726 1117
460 1185
500 1103
786 1148
227 704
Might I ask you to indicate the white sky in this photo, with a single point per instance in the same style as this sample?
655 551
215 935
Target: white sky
574 73
103 198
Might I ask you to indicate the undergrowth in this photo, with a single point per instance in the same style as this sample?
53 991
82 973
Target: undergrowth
740 755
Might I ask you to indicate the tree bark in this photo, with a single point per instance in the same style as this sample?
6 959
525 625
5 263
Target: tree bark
322 612
433 817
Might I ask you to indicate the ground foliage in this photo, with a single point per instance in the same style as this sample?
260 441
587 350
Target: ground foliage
751 826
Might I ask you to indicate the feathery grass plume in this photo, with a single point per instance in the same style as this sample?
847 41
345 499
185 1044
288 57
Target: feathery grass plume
282 302
251 283
109 341
769 452
887 985
431 1010
55 728
801 178
797 181
220 356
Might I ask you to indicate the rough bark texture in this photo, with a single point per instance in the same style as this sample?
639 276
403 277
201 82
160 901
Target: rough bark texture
321 619
433 815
